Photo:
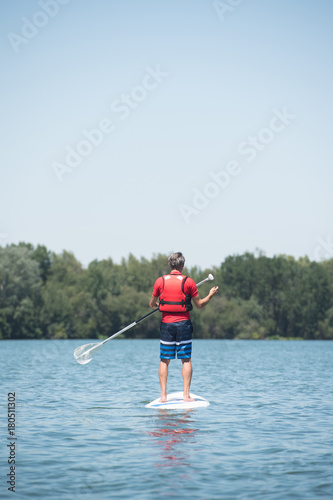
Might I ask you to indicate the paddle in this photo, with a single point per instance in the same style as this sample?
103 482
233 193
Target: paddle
85 353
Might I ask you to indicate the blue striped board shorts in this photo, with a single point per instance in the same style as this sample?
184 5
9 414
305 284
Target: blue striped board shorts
176 337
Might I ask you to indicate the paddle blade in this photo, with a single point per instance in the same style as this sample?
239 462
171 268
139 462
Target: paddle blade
85 353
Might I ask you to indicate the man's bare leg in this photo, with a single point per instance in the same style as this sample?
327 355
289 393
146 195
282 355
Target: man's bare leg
187 376
163 374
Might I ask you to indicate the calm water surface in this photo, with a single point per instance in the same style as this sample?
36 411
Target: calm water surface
83 431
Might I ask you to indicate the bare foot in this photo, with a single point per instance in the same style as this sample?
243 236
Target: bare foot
188 399
163 399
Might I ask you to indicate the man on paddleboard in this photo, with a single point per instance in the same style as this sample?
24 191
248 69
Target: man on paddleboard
175 292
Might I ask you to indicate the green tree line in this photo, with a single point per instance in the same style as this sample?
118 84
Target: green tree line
49 295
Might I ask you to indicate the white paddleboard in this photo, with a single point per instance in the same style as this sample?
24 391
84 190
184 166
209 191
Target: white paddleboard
175 401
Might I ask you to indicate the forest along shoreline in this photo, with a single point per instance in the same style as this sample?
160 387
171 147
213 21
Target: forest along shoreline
44 295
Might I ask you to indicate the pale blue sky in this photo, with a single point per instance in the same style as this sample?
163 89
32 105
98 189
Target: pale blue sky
221 80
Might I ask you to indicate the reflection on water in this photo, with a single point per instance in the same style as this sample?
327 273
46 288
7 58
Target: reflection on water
172 431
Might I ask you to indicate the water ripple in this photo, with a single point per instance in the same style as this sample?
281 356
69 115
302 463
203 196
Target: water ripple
84 433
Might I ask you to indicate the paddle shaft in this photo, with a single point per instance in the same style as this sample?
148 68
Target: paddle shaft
130 326
140 319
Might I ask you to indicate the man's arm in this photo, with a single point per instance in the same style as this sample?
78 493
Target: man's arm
200 303
153 301
157 290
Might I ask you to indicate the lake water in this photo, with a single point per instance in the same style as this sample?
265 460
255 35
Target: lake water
83 432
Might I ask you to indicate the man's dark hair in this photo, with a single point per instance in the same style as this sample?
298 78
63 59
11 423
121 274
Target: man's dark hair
176 261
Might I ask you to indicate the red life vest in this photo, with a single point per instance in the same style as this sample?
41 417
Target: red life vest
173 298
